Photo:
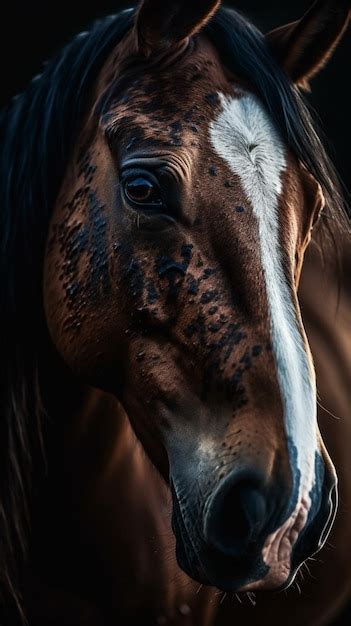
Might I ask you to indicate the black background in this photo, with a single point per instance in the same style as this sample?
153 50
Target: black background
31 32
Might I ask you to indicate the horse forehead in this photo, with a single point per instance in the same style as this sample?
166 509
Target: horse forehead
245 137
185 92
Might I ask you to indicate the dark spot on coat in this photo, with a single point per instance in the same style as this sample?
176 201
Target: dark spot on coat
98 246
193 286
215 327
152 294
169 268
208 296
246 360
136 278
208 272
190 330
187 253
212 99
176 127
256 350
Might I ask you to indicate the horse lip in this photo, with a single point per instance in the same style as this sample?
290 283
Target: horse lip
333 501
318 530
189 549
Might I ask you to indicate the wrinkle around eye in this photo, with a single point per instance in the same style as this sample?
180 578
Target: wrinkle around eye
178 166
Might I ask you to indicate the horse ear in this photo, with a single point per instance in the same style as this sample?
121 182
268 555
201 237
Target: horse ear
304 46
161 24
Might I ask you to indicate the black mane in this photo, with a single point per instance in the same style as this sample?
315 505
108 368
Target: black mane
38 131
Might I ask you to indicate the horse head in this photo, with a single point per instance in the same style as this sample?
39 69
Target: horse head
171 276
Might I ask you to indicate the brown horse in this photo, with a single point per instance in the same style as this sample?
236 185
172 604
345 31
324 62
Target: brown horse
162 178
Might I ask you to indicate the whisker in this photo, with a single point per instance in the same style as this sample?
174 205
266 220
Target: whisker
327 411
251 596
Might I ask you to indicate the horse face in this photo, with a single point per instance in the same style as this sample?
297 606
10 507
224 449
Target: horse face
171 280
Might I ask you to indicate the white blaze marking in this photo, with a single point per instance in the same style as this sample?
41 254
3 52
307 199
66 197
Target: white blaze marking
244 136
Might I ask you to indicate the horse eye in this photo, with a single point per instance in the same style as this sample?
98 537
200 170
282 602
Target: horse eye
142 191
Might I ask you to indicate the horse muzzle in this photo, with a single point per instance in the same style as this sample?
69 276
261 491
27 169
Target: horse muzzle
248 534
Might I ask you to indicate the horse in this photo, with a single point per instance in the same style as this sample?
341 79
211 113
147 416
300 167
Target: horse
162 461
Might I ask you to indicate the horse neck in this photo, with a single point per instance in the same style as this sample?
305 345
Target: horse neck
121 504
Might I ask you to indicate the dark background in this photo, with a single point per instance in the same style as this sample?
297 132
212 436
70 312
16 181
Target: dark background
31 32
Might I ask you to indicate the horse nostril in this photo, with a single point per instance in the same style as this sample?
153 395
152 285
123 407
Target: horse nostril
236 515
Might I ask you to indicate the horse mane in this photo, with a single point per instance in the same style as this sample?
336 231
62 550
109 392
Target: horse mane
38 131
